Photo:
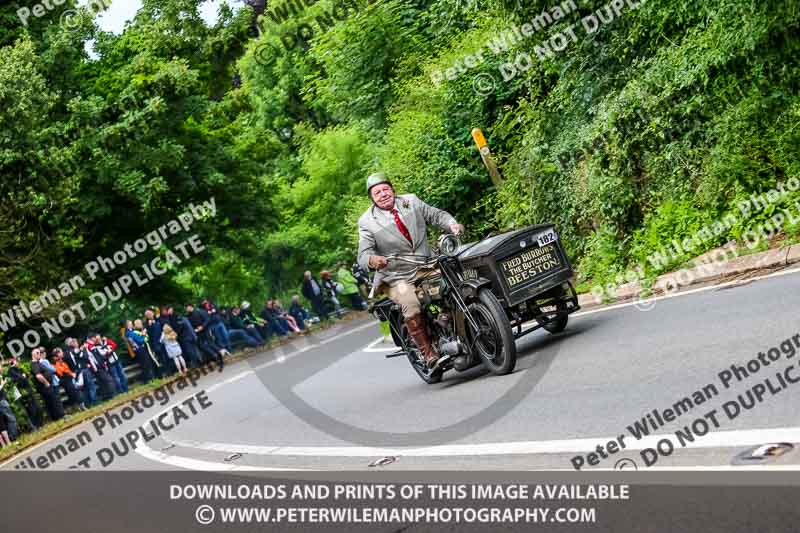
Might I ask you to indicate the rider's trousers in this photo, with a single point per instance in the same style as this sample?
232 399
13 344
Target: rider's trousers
404 294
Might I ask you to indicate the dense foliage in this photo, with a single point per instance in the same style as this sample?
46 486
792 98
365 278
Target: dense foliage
632 135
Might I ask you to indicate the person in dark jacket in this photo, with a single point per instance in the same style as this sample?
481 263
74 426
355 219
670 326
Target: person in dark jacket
43 379
187 338
216 326
298 312
242 333
114 362
78 362
153 327
313 292
66 377
200 321
23 384
270 316
250 319
7 416
98 355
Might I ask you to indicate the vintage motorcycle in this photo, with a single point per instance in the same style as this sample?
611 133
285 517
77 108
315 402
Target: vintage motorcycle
467 324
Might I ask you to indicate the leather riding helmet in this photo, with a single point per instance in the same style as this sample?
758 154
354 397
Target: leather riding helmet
376 179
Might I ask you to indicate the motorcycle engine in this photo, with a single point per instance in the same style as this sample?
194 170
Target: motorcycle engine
446 342
429 290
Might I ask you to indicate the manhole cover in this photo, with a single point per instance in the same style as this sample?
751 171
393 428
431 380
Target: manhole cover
763 453
383 461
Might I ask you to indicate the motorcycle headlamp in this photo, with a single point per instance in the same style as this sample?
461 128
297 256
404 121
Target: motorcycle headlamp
449 244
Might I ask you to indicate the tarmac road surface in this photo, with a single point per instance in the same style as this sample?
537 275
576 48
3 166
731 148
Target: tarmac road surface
332 401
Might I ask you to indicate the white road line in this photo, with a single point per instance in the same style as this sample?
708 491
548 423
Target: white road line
192 464
719 439
197 464
370 348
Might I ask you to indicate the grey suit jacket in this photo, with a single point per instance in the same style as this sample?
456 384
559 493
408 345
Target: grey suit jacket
379 235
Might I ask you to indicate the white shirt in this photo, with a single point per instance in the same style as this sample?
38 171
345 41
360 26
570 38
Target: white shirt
387 214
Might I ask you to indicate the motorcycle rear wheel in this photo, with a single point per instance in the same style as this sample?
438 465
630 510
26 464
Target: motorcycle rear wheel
495 345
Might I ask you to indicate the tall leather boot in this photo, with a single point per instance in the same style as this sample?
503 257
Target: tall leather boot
419 332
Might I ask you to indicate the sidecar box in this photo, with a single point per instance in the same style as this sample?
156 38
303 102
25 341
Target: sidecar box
521 264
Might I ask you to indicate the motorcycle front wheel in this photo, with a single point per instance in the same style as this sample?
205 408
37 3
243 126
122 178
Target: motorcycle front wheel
493 342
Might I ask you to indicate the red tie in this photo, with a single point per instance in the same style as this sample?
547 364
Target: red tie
402 227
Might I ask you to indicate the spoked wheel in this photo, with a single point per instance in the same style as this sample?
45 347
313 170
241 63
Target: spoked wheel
493 342
418 362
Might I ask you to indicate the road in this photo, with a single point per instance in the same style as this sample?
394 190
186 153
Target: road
332 401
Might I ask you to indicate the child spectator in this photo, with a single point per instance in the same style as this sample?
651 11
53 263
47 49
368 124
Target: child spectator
170 340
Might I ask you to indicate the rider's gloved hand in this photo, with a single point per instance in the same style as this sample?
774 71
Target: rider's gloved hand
378 262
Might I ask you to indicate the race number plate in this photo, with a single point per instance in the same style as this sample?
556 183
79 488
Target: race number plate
528 265
547 237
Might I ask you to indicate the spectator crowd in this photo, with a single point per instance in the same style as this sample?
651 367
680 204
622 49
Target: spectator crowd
163 342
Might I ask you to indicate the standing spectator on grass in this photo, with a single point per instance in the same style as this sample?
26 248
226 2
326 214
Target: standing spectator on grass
330 290
350 289
138 344
312 290
5 440
153 327
6 412
67 378
23 384
138 325
114 362
84 381
362 280
43 379
100 357
45 362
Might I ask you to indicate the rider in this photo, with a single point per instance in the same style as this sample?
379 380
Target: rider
397 225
